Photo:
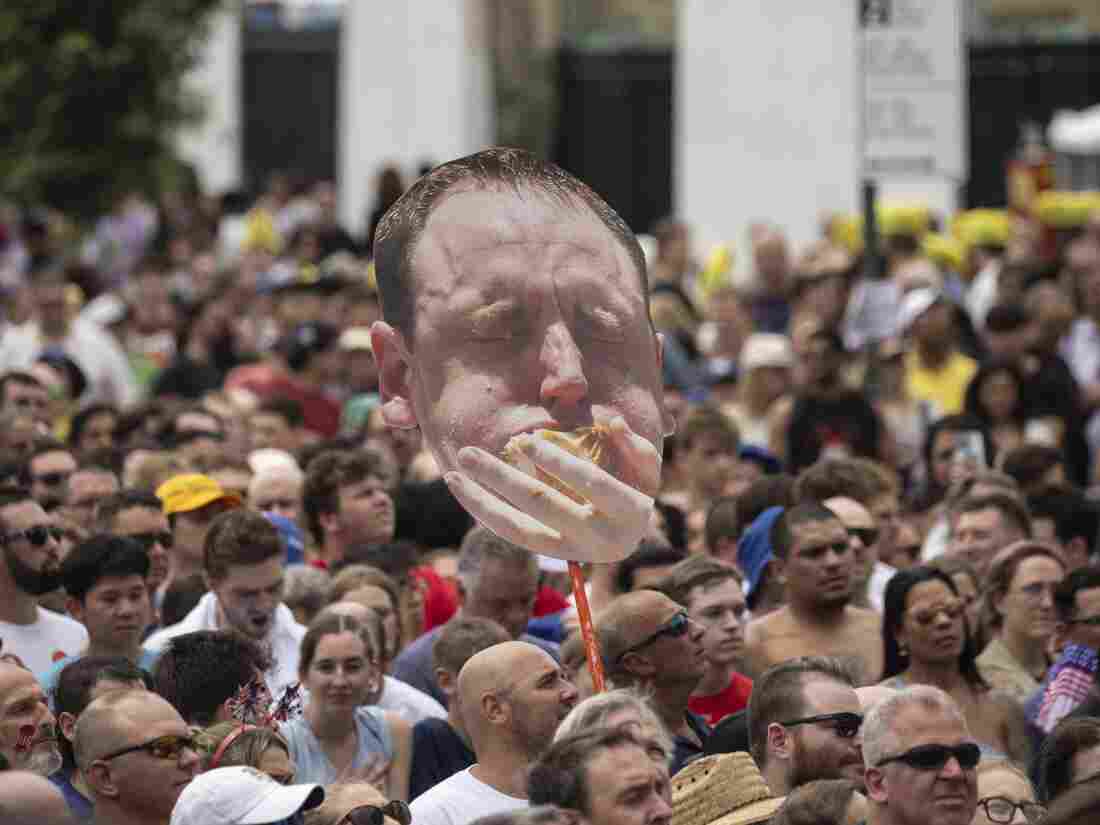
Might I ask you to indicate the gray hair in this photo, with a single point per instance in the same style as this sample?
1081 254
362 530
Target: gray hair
880 740
482 543
306 587
594 712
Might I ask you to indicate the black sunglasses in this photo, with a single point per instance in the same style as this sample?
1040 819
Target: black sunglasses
37 535
374 815
147 540
934 757
845 724
163 747
676 627
867 535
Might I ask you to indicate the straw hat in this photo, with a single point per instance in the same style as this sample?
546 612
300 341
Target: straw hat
725 789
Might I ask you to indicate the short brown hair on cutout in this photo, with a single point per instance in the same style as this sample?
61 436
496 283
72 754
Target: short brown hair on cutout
400 229
239 537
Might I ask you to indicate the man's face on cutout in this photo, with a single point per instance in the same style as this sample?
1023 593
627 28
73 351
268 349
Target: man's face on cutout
529 314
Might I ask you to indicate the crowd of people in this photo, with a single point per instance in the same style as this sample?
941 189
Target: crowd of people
262 565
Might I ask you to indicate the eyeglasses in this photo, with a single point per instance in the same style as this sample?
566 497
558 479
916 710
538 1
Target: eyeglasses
934 757
867 535
846 725
1000 809
51 479
163 747
37 535
374 815
676 627
162 537
1088 621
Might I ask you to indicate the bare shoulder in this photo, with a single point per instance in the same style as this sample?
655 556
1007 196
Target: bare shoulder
864 616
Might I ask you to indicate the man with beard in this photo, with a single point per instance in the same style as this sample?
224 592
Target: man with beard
513 697
243 568
29 542
28 732
804 719
814 556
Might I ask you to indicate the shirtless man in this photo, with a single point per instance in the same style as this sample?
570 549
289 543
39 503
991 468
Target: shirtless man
814 556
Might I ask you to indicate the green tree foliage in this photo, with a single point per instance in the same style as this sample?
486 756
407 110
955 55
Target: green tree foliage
90 94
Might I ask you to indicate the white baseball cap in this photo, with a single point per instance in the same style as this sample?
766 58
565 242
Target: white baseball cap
766 349
241 795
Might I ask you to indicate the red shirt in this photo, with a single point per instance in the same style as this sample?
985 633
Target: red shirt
718 706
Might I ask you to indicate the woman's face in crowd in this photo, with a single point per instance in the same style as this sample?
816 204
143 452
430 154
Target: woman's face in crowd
340 675
932 627
999 395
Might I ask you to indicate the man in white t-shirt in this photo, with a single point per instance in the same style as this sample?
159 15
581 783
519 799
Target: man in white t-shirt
28 542
513 696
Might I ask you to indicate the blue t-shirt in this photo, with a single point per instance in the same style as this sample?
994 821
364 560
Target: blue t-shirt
79 805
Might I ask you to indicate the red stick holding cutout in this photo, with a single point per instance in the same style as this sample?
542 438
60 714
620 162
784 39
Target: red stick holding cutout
588 634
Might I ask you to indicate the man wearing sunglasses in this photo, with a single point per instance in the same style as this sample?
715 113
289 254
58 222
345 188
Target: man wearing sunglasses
804 724
920 759
31 568
136 755
138 514
650 641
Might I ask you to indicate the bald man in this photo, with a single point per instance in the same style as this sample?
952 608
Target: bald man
28 731
137 755
28 799
512 696
650 641
413 705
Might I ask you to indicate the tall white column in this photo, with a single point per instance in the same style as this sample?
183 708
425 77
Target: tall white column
213 145
415 85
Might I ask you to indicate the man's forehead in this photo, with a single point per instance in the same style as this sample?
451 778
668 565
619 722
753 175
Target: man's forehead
139 516
23 512
16 684
817 529
918 724
826 695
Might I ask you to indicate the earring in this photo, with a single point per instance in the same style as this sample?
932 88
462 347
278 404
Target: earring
903 650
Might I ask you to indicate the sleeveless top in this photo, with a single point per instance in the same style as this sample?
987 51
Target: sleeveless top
311 763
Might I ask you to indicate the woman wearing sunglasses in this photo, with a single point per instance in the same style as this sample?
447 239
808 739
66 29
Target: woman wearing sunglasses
926 641
1005 796
358 803
337 738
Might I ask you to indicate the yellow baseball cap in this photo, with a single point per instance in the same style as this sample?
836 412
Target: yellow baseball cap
190 491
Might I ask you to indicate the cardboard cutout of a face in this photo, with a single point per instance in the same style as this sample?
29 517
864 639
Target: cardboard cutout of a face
529 315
